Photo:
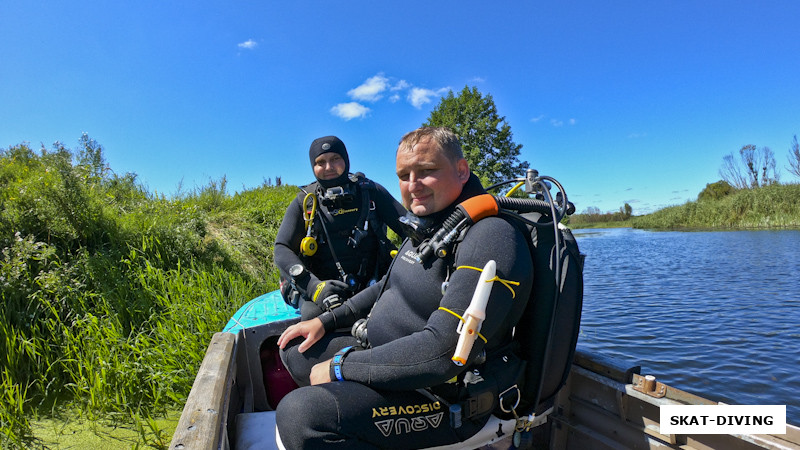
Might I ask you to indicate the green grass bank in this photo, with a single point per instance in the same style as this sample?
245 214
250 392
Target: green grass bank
773 206
111 294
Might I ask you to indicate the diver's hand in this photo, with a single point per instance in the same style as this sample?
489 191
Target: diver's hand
328 288
312 330
321 373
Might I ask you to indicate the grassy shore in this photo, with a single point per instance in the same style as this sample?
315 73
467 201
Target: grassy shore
592 225
768 207
111 294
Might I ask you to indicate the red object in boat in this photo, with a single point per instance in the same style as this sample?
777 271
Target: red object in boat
277 380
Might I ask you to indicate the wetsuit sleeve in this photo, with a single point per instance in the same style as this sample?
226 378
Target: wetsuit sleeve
389 210
287 242
354 308
423 358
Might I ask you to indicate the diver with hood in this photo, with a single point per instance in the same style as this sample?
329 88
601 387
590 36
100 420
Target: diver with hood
332 242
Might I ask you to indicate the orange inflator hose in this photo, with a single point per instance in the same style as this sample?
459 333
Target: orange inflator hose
480 206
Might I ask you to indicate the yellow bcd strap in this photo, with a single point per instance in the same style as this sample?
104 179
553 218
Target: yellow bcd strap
506 283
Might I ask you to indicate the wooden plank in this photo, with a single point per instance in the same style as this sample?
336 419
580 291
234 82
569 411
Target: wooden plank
201 425
607 367
603 409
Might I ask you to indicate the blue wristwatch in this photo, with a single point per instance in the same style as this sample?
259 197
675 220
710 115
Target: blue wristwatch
336 363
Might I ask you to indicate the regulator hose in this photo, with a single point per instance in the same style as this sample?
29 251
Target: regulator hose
523 205
472 210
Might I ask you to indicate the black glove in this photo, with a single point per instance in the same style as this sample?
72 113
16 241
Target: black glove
330 293
290 295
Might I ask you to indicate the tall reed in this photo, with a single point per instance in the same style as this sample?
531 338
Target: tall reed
774 206
110 294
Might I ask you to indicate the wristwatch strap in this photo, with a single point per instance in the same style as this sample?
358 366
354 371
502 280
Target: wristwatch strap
336 363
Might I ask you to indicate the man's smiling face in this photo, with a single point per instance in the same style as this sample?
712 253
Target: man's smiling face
429 181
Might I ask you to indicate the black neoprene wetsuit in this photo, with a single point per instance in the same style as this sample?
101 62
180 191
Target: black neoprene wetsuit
412 337
364 261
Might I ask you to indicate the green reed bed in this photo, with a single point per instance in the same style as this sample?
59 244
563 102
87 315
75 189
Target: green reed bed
775 206
110 294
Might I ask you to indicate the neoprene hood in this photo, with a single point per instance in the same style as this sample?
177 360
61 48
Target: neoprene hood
330 144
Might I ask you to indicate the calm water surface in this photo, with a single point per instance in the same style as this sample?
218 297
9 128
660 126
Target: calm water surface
712 313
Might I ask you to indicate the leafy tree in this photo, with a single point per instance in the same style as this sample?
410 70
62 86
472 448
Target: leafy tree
755 168
794 157
592 215
716 191
485 135
626 211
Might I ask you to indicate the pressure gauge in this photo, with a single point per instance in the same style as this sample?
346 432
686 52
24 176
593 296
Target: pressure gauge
296 270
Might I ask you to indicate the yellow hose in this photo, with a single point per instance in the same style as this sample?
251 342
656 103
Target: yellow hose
518 185
308 217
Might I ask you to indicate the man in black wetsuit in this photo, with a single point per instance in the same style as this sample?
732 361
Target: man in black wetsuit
346 247
393 387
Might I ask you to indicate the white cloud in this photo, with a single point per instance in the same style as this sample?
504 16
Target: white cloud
400 85
370 90
558 122
380 87
554 122
248 44
350 110
419 96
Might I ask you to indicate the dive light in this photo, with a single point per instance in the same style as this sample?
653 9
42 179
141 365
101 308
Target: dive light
470 325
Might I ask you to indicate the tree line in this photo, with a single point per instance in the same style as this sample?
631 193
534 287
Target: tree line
488 145
757 167
752 168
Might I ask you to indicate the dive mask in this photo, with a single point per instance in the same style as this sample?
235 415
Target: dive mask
418 228
338 195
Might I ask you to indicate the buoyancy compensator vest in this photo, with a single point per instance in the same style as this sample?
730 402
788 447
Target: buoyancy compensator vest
357 244
547 331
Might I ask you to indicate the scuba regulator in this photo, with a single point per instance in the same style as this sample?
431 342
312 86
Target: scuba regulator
308 246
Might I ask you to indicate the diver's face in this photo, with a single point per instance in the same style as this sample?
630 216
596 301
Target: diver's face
328 166
429 181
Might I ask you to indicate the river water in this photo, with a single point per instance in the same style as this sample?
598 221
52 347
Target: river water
715 313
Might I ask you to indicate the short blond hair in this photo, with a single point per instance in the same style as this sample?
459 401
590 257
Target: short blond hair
445 139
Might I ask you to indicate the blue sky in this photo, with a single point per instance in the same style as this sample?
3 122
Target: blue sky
624 101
